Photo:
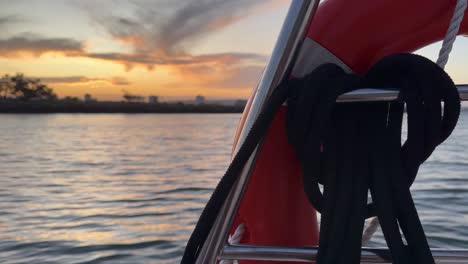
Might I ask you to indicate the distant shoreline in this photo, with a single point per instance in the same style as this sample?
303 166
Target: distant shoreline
58 107
50 107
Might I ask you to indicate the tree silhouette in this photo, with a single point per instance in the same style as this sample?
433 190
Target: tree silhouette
131 98
5 86
21 88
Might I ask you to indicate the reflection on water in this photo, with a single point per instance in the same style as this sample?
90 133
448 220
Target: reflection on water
115 188
441 192
129 188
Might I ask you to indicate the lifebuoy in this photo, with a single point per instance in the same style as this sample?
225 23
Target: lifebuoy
274 208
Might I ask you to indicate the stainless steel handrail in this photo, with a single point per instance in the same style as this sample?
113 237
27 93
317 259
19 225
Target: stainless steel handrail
368 255
280 65
370 95
308 254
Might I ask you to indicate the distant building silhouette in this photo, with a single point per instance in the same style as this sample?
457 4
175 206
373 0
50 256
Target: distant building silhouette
133 98
89 98
153 99
199 99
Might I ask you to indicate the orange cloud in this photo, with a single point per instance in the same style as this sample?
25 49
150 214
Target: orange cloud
27 44
214 76
158 33
159 36
150 61
83 80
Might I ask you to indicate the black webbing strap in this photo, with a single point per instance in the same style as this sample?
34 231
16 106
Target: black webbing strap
353 148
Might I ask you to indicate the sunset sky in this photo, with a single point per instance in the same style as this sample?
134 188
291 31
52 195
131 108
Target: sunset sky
173 49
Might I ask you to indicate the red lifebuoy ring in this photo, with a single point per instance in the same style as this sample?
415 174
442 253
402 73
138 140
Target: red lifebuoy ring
274 208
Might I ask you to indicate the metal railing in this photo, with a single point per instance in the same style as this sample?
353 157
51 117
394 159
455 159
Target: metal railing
280 65
309 254
370 95
368 255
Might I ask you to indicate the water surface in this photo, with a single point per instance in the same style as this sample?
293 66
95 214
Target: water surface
116 188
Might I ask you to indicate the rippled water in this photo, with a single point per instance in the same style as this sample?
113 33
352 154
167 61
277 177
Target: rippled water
129 188
441 192
106 188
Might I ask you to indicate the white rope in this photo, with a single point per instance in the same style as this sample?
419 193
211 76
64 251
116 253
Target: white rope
234 239
444 53
370 231
452 32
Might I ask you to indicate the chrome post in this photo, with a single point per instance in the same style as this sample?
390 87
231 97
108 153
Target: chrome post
279 66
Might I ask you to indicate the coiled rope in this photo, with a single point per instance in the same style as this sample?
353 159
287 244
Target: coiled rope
374 134
356 147
444 53
210 212
442 60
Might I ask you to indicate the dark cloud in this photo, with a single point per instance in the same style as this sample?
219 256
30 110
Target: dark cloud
28 43
36 45
150 61
119 81
84 79
168 27
126 58
194 19
163 32
6 20
159 33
